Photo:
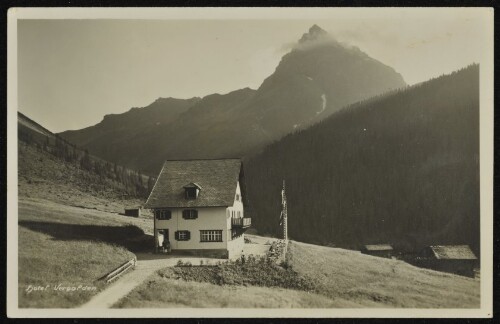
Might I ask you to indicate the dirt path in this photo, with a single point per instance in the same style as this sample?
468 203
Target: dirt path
146 265
259 245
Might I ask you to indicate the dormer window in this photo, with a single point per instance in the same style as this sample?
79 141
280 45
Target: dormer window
190 193
192 190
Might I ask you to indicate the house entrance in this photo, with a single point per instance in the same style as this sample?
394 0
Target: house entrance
162 241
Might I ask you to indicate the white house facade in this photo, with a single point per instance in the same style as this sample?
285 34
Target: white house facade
198 208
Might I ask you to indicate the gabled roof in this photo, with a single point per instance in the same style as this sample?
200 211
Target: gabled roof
216 178
378 247
458 252
192 185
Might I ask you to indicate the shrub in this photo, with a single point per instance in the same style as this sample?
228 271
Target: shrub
285 265
262 273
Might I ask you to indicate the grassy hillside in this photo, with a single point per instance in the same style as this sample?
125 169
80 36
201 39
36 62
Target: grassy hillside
129 182
158 292
68 246
402 169
314 277
67 235
377 282
43 175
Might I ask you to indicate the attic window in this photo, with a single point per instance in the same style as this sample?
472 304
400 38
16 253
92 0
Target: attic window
192 190
190 193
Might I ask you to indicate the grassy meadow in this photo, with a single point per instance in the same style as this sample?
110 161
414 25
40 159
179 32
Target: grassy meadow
67 246
70 230
313 277
377 282
161 292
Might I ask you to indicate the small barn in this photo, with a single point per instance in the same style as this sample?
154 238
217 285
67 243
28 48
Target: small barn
458 259
379 250
133 212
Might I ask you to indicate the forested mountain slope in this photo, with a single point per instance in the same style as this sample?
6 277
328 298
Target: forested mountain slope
317 77
402 169
53 169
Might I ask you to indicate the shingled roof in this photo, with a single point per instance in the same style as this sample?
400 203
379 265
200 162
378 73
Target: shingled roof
377 247
457 252
216 178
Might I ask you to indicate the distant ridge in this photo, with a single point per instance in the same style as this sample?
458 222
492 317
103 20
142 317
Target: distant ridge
30 123
309 84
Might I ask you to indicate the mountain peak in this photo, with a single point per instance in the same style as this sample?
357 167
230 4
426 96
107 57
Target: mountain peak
314 33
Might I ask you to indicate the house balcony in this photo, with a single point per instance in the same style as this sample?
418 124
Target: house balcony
241 222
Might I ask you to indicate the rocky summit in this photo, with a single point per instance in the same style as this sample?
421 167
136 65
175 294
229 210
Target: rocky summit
308 85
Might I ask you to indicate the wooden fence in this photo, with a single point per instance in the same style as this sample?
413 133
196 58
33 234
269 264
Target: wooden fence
119 271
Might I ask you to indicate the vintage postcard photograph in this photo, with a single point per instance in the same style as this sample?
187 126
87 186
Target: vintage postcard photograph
250 162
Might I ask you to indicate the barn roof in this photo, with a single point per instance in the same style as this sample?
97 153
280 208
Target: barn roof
377 247
458 252
216 178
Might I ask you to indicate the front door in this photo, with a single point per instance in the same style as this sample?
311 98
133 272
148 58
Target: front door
162 239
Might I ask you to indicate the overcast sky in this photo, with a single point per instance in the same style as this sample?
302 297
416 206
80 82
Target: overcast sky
73 72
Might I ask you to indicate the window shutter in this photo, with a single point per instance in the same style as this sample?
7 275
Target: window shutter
195 214
188 235
177 235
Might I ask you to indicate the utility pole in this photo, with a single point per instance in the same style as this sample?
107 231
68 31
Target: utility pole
283 216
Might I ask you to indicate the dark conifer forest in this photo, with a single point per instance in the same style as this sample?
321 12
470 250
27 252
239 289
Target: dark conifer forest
401 168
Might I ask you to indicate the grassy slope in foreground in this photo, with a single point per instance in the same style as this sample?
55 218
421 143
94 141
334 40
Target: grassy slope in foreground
69 246
342 279
63 244
373 282
158 292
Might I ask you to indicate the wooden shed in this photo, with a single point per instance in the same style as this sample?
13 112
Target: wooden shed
379 250
133 212
457 259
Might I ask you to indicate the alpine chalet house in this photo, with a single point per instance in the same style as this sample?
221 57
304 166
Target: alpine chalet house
198 208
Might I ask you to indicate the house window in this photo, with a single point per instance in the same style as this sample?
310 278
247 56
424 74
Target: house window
190 193
163 214
211 236
237 197
189 214
182 235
